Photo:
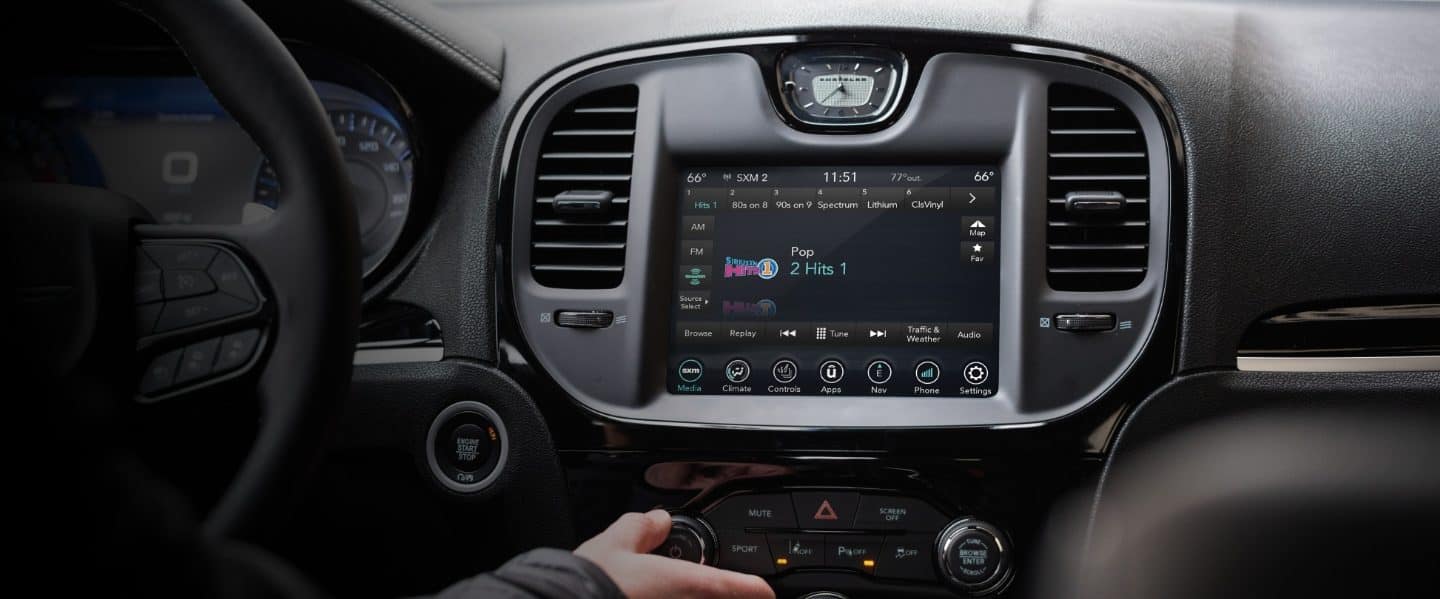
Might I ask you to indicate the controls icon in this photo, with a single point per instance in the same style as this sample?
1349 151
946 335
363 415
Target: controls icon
879 372
927 372
737 371
784 370
690 370
977 373
831 371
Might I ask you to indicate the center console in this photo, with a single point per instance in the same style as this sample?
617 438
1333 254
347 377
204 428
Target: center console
780 233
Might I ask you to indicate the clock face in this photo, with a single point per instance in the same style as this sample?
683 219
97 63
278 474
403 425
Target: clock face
841 86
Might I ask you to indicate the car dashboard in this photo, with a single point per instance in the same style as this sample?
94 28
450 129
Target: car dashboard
860 297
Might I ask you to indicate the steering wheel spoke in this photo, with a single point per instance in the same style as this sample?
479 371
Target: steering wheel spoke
202 308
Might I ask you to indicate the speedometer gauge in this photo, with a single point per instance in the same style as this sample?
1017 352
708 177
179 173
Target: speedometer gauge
379 160
841 86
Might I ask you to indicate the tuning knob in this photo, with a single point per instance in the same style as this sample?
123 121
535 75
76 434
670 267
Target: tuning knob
690 539
974 557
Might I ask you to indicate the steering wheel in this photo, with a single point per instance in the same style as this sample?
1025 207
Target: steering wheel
270 307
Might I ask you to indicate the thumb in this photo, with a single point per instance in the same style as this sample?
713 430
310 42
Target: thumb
638 532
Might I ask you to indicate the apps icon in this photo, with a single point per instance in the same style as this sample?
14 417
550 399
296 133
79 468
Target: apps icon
831 371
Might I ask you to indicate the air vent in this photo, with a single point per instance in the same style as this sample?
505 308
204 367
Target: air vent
1098 191
582 192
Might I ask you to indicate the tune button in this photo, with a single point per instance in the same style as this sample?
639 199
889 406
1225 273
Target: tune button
784 371
737 371
831 371
927 372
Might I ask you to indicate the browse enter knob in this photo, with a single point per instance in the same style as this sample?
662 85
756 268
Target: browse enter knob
974 556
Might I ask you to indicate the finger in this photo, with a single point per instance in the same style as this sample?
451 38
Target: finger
637 532
687 579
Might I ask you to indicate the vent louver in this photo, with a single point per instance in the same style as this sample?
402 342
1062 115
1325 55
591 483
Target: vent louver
1098 192
582 192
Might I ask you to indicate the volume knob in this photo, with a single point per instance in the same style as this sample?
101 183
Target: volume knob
974 557
690 539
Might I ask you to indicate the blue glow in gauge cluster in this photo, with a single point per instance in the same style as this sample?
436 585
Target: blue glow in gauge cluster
167 142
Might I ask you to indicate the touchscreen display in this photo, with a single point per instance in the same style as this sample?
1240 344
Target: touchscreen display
857 281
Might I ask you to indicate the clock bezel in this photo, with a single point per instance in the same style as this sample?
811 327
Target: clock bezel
870 53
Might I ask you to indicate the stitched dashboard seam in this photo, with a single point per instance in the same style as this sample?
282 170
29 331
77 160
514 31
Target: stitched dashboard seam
400 17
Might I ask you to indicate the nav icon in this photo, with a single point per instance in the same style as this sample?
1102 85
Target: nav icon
979 227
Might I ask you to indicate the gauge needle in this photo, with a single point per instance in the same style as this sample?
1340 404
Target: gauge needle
837 90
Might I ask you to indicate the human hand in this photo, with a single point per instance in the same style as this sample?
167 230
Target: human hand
622 551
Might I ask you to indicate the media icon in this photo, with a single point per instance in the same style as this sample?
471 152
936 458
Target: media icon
976 373
784 370
690 370
831 371
927 372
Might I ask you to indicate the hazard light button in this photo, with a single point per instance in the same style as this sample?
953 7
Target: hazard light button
825 510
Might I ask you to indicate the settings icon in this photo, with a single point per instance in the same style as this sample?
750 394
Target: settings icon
976 373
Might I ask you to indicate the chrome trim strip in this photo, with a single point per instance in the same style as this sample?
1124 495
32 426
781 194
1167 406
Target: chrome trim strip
398 355
1337 363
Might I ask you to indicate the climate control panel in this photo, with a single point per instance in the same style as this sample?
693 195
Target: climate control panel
883 535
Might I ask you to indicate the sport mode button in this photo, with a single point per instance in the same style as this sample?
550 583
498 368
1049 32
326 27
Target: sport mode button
690 370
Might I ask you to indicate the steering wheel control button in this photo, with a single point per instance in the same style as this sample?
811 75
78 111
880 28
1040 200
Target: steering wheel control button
466 447
191 311
584 319
470 447
744 552
974 556
910 557
825 510
181 257
976 373
879 372
146 317
235 350
690 370
198 361
797 551
187 283
831 371
927 372
737 371
853 552
753 511
690 540
230 277
885 512
784 371
1085 323
160 374
148 287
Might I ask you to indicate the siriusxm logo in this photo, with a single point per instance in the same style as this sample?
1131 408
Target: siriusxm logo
764 308
765 268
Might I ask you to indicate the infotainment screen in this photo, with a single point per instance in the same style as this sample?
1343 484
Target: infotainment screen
856 281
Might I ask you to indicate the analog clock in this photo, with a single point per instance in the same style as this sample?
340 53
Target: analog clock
840 86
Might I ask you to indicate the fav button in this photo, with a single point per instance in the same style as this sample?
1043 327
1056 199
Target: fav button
824 510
